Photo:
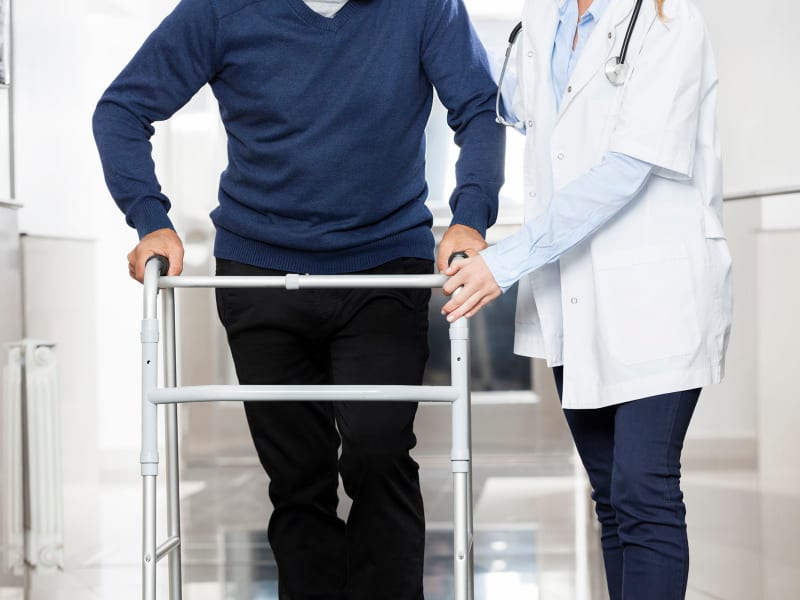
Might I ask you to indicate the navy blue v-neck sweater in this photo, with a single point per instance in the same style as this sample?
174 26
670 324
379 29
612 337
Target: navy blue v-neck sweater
325 121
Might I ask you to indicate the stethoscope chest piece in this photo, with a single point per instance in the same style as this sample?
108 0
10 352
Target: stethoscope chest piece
616 72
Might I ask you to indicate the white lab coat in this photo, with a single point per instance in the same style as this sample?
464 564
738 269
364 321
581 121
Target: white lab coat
644 306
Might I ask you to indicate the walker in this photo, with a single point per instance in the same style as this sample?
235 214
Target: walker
457 394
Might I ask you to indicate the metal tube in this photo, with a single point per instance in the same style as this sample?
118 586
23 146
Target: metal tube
149 454
464 386
149 538
460 457
295 282
461 583
470 538
168 547
216 393
457 393
459 367
149 339
150 294
171 433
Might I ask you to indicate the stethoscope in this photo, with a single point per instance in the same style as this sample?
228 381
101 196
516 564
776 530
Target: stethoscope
616 69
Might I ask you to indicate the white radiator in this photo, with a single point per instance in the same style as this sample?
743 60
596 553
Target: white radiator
33 448
14 542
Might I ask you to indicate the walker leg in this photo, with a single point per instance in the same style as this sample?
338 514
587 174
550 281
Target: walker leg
149 455
149 539
461 462
171 431
470 536
173 501
461 542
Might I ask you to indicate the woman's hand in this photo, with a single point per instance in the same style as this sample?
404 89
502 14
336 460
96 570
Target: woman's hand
477 284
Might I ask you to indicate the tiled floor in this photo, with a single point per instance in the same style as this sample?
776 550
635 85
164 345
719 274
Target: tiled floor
534 536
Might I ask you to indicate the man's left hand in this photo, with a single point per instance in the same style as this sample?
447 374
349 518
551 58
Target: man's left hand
459 238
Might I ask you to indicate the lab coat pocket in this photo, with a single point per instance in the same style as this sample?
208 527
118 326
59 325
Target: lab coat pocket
646 303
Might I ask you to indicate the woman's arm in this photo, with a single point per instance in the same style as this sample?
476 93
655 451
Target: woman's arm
574 214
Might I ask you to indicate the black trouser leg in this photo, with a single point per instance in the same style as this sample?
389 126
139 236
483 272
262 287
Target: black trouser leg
384 343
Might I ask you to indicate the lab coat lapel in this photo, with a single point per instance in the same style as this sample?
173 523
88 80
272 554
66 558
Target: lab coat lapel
598 48
540 25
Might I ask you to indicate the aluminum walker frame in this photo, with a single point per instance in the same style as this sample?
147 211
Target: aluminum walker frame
457 394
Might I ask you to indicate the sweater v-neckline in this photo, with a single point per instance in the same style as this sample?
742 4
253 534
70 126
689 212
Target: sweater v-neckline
313 18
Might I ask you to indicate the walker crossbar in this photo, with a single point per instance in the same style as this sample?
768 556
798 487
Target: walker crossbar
457 394
301 282
222 393
167 547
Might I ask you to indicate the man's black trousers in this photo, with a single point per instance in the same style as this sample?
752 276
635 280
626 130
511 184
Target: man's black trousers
336 337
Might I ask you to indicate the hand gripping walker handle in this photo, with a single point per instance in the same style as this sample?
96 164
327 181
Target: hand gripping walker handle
163 263
455 255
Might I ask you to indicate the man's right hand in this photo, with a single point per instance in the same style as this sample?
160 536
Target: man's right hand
162 241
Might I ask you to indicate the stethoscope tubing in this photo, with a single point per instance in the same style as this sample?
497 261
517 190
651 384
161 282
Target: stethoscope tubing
511 39
623 53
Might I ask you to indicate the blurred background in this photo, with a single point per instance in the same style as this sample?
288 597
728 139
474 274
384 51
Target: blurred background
69 337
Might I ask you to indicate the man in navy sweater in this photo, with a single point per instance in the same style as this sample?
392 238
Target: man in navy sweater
325 103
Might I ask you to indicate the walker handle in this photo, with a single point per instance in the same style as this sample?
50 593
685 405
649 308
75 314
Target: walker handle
455 255
163 263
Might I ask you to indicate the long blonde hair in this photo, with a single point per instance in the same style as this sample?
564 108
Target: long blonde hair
660 9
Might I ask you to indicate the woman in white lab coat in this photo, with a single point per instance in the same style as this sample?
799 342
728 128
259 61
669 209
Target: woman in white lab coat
623 265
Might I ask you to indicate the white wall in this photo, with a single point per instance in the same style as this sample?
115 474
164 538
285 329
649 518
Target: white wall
113 35
756 52
729 411
65 56
778 286
70 323
757 49
5 145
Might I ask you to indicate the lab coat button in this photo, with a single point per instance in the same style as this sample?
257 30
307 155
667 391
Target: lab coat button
610 35
569 89
532 194
530 53
529 123
560 156
573 300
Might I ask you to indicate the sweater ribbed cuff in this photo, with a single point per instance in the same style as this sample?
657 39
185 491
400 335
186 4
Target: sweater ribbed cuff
472 212
147 216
